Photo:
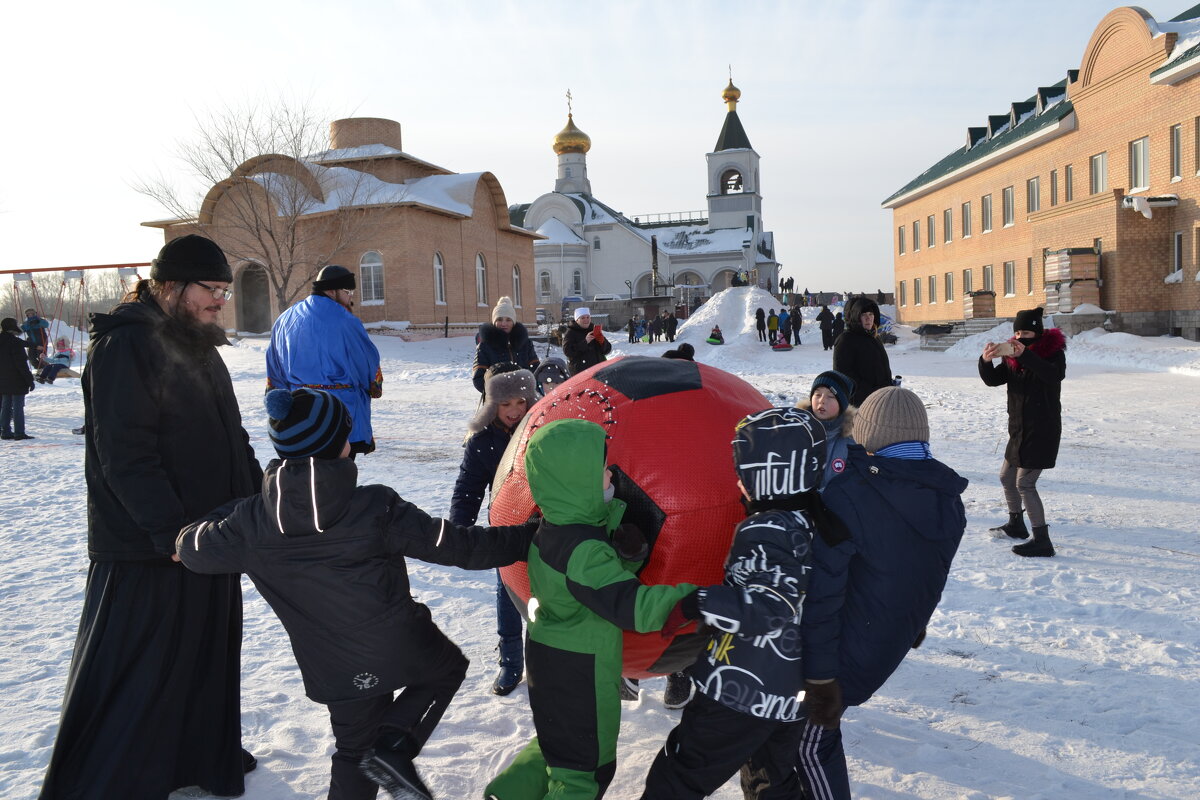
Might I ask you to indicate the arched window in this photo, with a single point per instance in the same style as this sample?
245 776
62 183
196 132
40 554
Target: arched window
544 286
481 280
577 283
439 279
731 182
516 293
370 277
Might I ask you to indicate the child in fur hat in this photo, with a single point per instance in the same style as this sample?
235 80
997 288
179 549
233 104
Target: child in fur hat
1033 374
509 393
328 555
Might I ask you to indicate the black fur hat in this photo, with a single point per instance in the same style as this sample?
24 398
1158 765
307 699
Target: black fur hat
333 277
191 258
1029 320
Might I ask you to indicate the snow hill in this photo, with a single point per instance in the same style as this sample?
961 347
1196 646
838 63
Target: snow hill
1071 678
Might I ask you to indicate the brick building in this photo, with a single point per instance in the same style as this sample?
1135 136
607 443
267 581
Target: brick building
428 245
1084 194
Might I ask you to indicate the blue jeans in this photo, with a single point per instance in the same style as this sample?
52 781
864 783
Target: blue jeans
508 626
12 414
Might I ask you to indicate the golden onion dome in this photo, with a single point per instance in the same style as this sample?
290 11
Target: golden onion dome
571 140
731 95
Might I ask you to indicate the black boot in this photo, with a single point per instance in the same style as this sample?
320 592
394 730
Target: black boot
390 764
512 665
1014 528
1040 546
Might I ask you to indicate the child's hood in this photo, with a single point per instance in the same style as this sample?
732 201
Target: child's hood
306 496
565 463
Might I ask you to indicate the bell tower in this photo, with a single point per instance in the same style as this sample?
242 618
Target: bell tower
734 200
572 145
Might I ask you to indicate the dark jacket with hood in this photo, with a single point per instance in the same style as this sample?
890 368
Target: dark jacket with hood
870 597
164 435
581 353
481 456
494 346
1034 399
328 556
859 353
15 376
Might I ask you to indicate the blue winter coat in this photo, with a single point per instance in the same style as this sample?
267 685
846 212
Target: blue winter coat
319 344
872 595
480 459
837 441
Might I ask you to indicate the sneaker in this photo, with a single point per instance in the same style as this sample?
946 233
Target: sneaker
679 690
629 689
396 773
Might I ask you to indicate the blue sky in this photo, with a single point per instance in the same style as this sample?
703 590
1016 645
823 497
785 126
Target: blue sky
845 102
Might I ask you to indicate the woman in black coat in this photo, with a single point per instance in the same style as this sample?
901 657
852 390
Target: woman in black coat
825 320
859 353
1033 373
582 347
760 324
503 339
16 381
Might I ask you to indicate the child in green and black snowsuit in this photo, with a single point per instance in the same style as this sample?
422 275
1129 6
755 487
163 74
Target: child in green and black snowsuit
583 596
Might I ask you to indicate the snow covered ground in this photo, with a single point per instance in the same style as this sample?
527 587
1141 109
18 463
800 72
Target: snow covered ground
1072 678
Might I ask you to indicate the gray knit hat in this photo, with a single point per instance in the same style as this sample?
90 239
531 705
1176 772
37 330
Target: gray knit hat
890 415
501 384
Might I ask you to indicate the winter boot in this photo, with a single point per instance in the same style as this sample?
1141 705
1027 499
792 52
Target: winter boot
629 689
512 658
390 765
679 690
1040 546
1014 528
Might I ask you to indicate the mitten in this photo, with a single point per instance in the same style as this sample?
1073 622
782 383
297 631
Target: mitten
630 543
686 610
823 702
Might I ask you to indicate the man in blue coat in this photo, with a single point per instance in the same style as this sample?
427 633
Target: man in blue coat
318 343
871 597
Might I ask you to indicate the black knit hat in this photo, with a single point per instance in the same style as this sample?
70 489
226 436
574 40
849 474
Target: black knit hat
9 325
779 452
333 277
1029 320
307 423
191 258
841 385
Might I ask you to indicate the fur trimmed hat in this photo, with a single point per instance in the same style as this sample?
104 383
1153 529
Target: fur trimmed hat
307 423
890 415
502 382
191 258
841 385
333 277
1029 320
504 308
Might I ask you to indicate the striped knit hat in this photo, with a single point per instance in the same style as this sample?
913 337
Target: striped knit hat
307 423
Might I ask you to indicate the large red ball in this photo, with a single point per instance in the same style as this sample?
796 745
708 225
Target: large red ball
669 424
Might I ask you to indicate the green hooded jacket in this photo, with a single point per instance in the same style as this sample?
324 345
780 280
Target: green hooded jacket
583 596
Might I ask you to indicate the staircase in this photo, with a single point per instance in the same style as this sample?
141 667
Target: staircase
962 329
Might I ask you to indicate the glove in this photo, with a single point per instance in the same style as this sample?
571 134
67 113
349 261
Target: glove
920 638
823 702
630 543
684 612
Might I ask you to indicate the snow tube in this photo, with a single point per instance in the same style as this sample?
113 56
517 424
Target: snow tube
711 340
684 498
781 346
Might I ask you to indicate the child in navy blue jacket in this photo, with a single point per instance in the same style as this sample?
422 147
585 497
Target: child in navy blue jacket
749 683
328 556
509 392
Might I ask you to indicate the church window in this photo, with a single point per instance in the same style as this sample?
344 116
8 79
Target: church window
577 283
370 269
731 182
439 279
481 292
596 243
544 284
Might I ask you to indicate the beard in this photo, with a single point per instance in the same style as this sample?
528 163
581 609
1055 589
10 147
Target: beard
189 327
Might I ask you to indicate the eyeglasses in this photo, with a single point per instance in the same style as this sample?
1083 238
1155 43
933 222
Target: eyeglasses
218 294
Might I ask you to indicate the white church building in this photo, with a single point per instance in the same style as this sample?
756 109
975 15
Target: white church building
593 252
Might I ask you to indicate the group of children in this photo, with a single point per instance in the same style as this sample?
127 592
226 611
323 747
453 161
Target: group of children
360 641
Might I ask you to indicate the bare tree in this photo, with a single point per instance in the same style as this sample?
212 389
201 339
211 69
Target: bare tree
267 197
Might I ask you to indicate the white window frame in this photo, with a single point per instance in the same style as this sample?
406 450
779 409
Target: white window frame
1098 173
1053 187
481 287
1009 201
985 214
577 283
916 239
930 231
545 285
948 226
1033 194
1139 164
516 286
439 280
966 220
948 281
1177 252
1010 279
1176 153
968 280
903 294
902 233
370 278
916 291
989 280
933 289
